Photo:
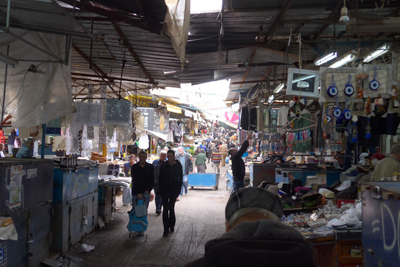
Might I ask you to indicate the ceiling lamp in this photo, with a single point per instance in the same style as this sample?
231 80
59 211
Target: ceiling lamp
279 88
344 17
349 57
378 52
271 99
326 58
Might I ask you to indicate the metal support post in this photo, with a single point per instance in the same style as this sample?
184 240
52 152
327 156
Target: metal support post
43 141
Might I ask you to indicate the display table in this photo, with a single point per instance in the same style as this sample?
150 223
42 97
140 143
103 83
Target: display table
330 175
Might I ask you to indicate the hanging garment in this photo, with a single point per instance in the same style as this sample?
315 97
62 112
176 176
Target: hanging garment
244 119
144 141
253 119
282 118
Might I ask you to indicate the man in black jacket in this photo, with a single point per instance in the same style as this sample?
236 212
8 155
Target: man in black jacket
238 168
255 235
170 183
142 179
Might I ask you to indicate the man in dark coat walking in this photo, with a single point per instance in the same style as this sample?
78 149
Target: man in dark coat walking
170 184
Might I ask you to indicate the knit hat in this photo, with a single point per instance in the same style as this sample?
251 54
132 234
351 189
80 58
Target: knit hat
378 156
252 197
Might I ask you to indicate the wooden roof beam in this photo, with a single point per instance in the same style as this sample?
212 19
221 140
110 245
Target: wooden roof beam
132 52
274 28
98 71
331 16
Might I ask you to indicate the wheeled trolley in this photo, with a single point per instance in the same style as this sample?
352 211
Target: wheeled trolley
203 180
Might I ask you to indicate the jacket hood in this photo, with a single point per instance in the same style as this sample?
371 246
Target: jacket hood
260 243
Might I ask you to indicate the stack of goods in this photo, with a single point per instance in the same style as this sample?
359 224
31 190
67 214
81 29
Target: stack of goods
96 156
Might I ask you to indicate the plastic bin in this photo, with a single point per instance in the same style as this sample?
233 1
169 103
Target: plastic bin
203 180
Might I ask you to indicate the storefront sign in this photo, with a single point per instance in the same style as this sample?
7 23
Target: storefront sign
148 115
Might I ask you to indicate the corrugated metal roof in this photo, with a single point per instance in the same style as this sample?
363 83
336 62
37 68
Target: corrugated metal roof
221 45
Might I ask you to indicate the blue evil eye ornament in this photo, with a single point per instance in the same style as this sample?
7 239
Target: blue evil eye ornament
337 112
332 91
347 114
349 89
328 118
374 85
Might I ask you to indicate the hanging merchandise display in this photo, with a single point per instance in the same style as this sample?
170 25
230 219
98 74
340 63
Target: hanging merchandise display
337 112
118 111
349 89
332 90
374 84
347 113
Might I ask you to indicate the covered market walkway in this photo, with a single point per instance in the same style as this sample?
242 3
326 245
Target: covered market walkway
200 217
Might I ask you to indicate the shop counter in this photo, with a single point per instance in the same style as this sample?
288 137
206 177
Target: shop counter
26 191
75 205
381 223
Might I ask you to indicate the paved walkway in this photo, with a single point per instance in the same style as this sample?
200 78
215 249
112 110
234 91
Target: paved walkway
200 217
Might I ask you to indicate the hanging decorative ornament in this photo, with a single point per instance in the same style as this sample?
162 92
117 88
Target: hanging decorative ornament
347 113
337 112
328 119
349 89
374 84
332 90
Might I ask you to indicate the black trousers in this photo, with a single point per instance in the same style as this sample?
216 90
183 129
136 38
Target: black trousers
168 213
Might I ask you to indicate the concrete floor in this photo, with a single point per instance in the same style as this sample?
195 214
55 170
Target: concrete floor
200 217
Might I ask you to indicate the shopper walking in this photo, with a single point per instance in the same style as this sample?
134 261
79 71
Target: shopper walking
158 163
216 160
224 152
209 151
142 181
238 168
170 182
187 167
201 162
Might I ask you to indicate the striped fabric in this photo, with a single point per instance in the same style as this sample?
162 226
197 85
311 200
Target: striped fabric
216 157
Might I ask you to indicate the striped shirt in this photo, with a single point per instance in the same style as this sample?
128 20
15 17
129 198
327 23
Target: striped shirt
216 157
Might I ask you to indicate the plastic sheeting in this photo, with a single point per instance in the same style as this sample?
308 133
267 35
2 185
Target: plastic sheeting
34 98
176 25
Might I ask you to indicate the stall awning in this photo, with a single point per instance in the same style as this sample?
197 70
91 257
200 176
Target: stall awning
174 109
159 135
188 113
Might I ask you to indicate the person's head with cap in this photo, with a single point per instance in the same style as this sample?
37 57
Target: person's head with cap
395 151
251 204
376 158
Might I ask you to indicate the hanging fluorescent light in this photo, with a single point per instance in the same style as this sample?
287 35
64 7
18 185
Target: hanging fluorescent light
271 99
279 88
378 52
344 60
325 59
